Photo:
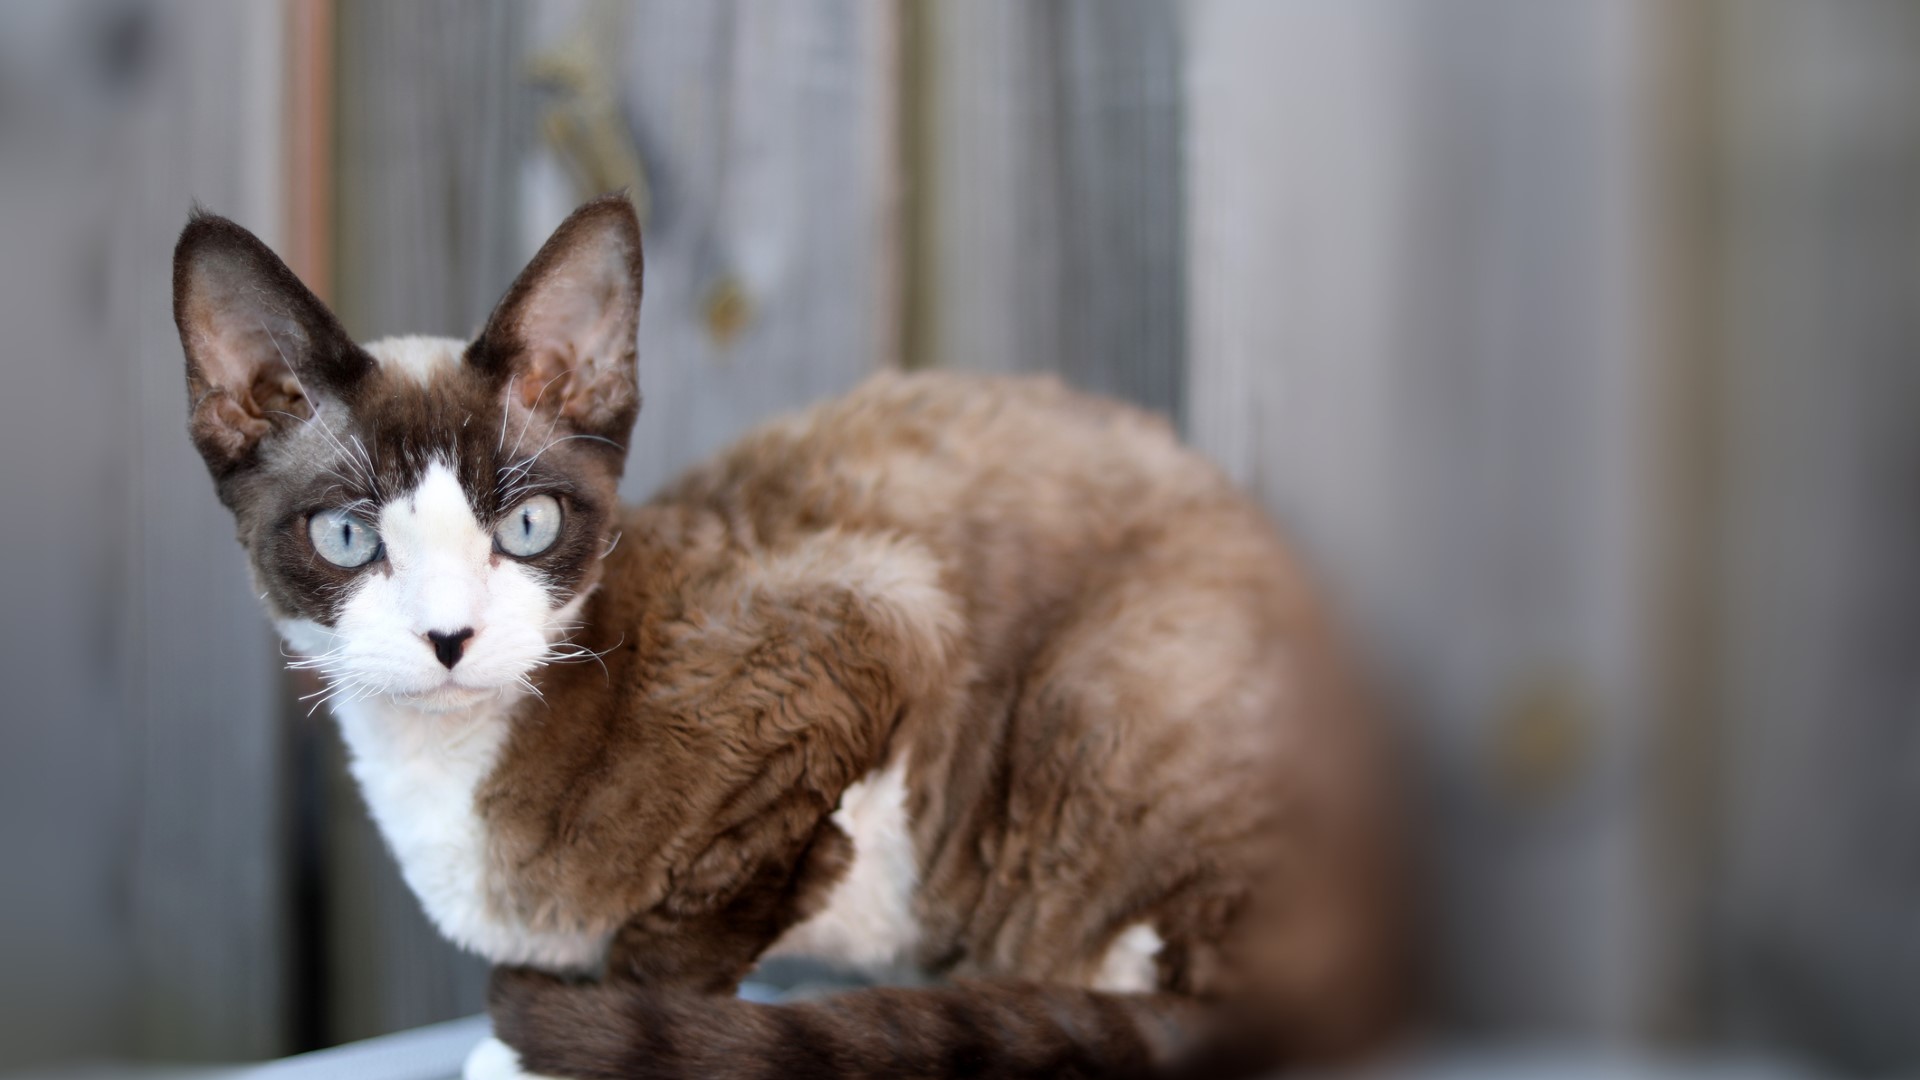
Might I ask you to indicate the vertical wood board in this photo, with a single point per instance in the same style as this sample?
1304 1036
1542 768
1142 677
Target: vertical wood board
1819 941
208 892
1048 193
767 132
1413 332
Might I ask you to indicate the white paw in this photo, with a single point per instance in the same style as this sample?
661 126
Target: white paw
495 1060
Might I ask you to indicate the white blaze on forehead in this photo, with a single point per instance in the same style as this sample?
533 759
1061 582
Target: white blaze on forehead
438 550
419 357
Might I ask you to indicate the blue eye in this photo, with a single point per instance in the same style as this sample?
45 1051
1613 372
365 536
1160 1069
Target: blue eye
343 539
530 528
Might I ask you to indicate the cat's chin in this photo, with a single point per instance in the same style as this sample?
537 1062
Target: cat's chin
451 697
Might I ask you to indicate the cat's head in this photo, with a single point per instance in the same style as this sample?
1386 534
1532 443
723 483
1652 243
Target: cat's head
424 516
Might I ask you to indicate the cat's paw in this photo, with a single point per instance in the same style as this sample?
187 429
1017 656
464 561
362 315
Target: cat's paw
495 1060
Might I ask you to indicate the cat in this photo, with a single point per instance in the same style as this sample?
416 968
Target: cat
979 676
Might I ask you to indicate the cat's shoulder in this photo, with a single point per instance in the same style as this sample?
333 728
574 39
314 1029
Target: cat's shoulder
696 575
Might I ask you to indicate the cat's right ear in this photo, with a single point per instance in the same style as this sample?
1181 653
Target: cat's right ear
261 348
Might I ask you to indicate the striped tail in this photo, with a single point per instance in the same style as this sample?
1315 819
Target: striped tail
624 1031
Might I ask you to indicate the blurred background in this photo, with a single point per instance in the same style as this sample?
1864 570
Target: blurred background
1577 342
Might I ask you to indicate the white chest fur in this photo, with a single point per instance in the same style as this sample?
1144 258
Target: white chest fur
419 773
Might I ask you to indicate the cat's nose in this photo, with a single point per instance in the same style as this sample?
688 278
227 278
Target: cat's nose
448 644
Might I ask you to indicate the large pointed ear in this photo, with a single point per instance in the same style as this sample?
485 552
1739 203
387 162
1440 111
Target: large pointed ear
261 349
563 339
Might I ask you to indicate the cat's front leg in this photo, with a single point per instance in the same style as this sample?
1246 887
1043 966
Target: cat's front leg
708 946
492 1059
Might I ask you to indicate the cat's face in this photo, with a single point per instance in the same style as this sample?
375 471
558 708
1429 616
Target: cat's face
424 516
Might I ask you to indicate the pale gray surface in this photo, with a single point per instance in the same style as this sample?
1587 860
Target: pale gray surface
1411 251
140 900
432 1052
435 1052
1048 213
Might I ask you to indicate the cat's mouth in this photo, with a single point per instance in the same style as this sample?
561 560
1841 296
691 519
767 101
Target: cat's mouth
449 696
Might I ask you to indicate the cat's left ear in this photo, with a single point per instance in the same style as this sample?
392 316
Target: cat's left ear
563 339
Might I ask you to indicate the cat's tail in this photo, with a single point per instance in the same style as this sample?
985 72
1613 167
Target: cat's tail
616 1031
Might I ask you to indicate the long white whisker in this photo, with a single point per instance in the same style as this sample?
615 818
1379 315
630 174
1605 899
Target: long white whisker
332 691
506 412
533 410
566 652
312 402
366 459
525 465
527 685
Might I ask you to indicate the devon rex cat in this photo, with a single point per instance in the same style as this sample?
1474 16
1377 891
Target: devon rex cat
978 676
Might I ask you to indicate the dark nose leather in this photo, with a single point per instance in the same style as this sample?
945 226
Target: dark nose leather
448 645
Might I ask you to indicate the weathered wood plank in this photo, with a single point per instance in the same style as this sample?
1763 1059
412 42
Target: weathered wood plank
433 124
208 889
1413 332
139 780
1048 216
1683 421
1819 943
69 752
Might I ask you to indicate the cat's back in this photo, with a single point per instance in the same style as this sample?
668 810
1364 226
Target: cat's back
947 454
